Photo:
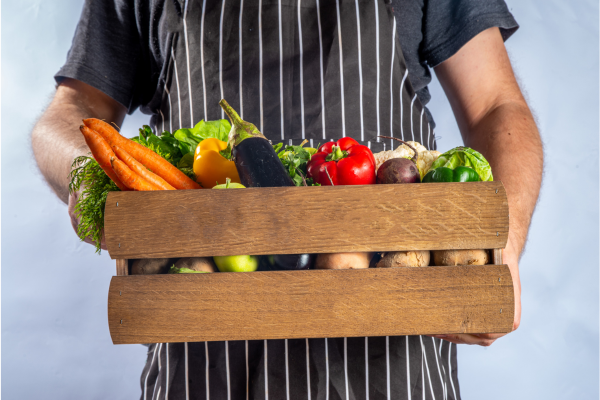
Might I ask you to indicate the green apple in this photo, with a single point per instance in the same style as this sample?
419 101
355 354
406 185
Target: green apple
229 185
236 263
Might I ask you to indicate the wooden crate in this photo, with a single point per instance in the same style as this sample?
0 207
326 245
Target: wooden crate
315 303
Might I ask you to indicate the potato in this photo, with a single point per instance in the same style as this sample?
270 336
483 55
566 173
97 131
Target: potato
343 260
148 266
205 264
460 257
404 259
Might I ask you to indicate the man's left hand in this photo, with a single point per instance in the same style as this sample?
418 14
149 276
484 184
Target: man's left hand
510 258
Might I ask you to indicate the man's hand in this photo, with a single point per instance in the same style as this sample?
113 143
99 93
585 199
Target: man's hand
494 119
56 139
509 257
75 219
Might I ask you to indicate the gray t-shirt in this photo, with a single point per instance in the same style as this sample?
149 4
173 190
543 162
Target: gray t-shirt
431 31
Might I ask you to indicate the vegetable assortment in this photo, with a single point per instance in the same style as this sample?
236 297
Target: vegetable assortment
219 154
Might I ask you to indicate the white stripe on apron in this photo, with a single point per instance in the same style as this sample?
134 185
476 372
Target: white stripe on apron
360 81
220 58
187 57
202 62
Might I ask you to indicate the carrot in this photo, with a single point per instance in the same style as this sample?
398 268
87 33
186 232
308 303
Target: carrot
130 178
150 159
102 153
142 171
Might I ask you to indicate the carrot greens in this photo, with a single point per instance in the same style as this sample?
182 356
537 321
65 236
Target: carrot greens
87 176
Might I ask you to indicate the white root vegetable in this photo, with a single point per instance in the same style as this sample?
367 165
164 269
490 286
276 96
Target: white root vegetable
343 260
149 266
396 259
205 264
460 257
425 160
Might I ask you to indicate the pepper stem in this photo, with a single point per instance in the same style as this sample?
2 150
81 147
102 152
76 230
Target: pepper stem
336 154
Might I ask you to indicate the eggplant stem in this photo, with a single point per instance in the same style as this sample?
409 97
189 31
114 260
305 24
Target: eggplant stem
235 118
414 158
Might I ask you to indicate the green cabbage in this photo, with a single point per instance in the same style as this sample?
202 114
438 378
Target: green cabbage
464 156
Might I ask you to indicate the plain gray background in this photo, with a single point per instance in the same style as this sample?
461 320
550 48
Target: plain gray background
55 340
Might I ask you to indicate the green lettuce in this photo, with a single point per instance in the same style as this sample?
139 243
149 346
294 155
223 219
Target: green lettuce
190 137
464 156
183 270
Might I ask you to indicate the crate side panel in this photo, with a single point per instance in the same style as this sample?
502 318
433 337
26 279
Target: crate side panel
189 223
310 304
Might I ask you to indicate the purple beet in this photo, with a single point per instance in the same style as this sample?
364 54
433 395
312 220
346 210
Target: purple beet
398 170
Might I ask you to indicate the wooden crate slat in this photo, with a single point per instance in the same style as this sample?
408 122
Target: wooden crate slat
296 220
122 267
308 304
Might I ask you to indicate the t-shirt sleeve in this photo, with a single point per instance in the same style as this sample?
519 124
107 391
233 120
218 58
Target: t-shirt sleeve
450 24
106 50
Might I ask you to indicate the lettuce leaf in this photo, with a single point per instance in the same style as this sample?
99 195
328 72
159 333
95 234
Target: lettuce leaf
467 157
183 270
190 137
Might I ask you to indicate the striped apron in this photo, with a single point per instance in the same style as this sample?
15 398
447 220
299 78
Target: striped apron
297 69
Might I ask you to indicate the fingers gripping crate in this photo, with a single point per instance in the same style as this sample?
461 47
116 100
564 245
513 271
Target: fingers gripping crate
313 303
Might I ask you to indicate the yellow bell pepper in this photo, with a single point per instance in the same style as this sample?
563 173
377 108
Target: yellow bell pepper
210 167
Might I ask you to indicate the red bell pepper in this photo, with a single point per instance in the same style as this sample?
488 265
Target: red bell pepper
344 162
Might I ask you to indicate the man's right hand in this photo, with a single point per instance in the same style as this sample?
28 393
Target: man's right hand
56 140
75 219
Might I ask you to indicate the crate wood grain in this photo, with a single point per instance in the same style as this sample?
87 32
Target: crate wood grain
193 223
310 304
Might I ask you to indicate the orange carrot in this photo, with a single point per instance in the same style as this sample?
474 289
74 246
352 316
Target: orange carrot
150 159
130 178
142 171
102 153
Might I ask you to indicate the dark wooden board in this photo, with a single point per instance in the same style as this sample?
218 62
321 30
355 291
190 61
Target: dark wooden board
310 304
187 223
122 267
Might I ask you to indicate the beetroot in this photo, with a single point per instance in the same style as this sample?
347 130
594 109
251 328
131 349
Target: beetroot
398 170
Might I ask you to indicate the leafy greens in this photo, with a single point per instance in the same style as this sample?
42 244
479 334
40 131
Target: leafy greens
295 160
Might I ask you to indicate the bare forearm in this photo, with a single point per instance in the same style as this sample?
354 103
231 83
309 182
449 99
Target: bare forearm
56 139
508 137
56 142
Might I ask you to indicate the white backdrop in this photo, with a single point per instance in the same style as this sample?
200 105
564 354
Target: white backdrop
55 340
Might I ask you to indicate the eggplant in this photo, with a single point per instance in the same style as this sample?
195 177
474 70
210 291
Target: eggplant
255 159
291 261
259 166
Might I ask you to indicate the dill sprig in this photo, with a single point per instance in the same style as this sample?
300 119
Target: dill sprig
87 174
